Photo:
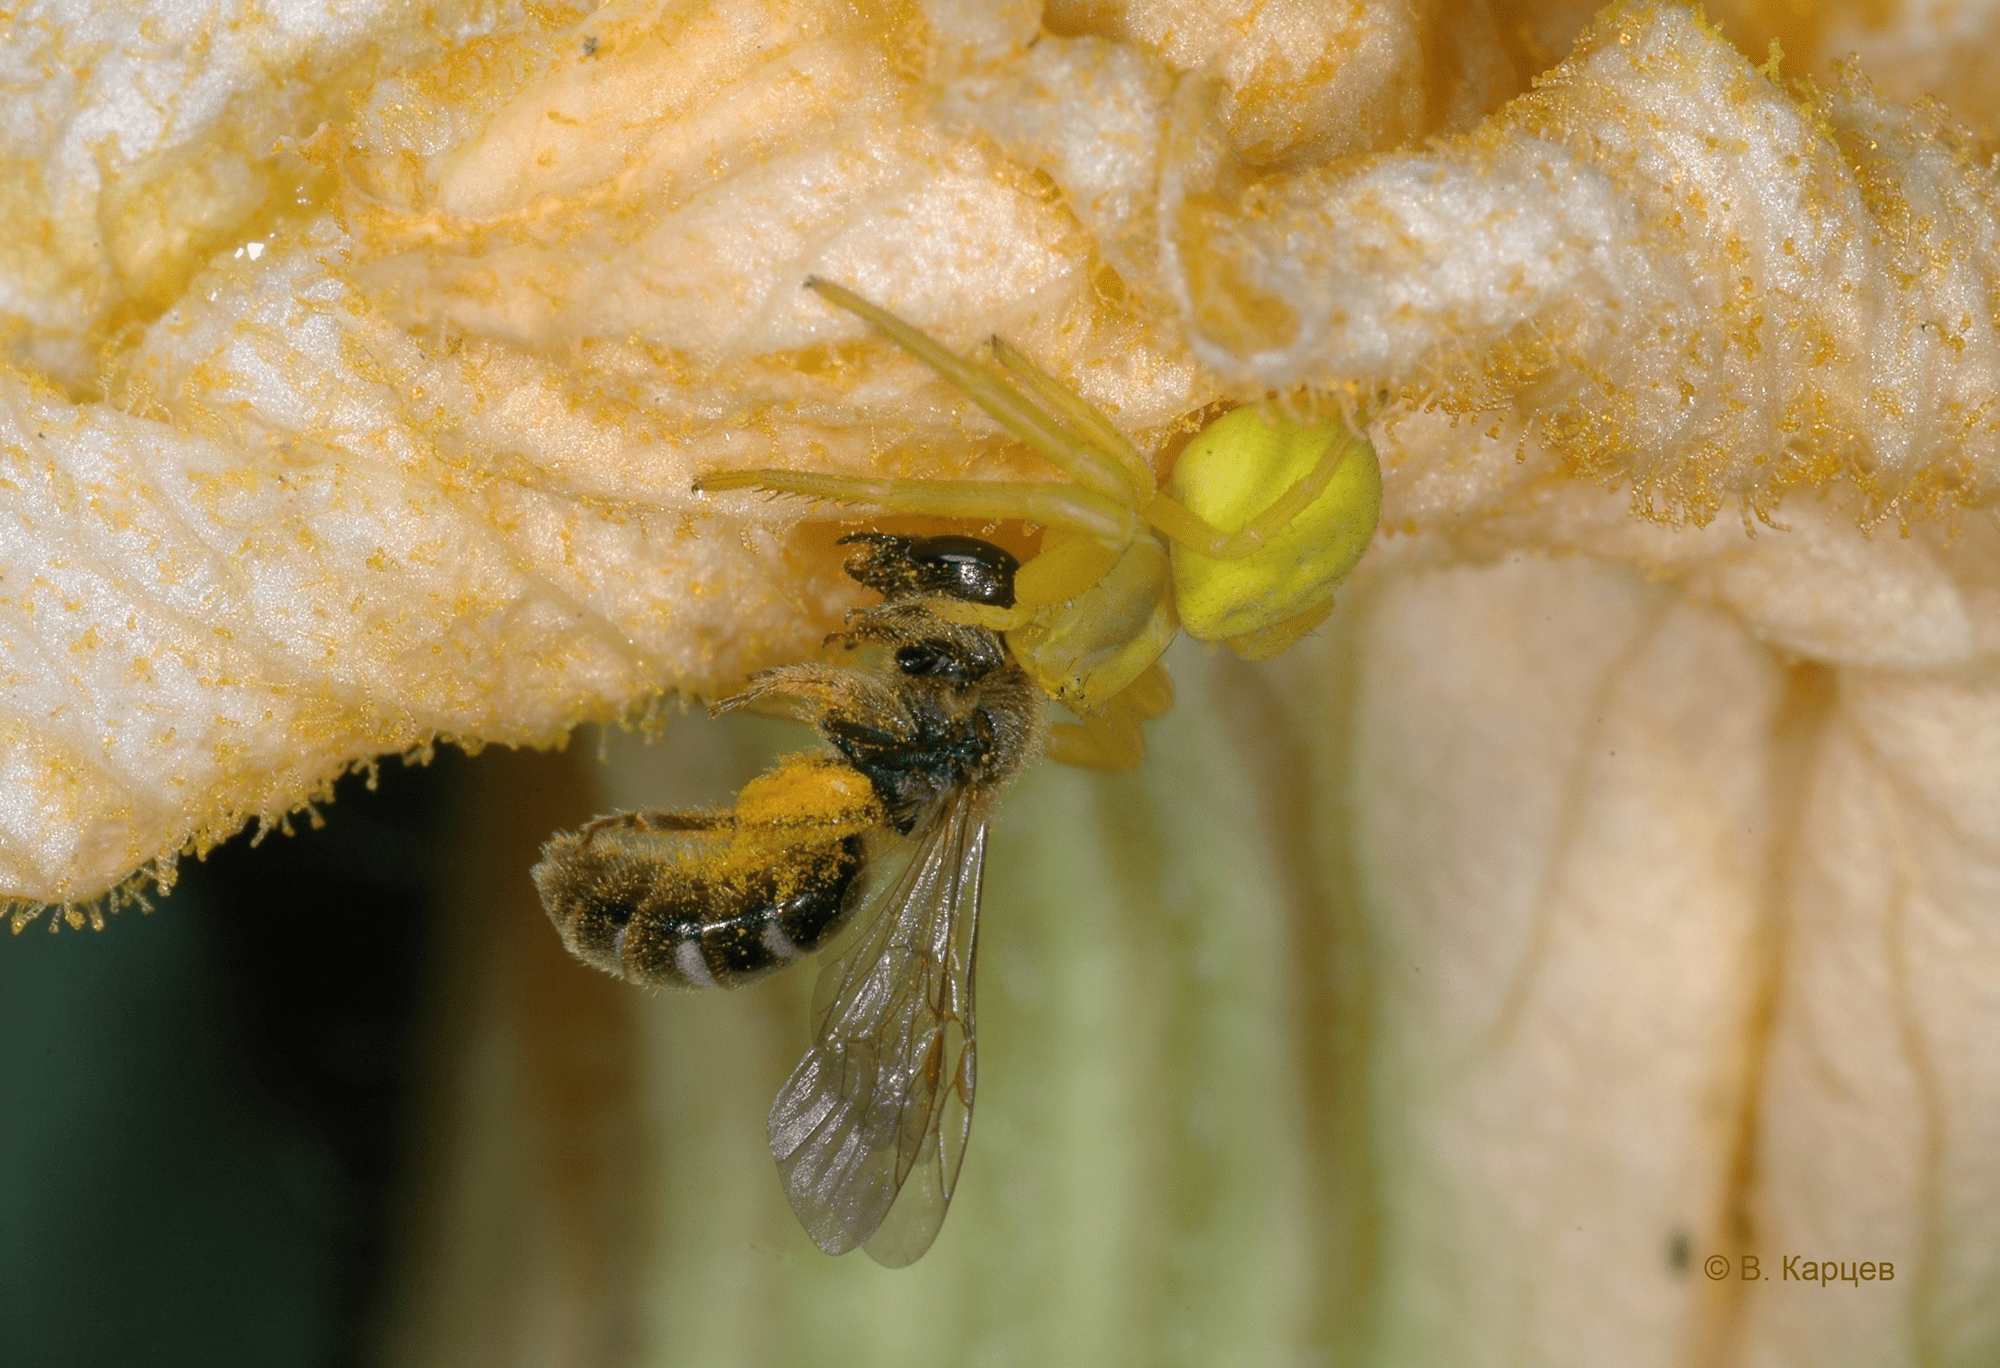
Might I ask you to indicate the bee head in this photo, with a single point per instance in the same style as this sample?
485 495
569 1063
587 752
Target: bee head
956 567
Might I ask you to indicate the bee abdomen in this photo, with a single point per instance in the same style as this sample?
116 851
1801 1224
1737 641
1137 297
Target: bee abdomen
686 918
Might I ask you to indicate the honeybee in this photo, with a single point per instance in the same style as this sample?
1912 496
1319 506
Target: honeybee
885 832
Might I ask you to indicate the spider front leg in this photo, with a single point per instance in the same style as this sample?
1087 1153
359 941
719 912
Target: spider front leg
1111 471
1069 507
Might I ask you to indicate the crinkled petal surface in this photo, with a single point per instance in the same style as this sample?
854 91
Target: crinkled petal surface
418 464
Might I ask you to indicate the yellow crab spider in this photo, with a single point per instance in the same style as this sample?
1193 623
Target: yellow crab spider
1126 563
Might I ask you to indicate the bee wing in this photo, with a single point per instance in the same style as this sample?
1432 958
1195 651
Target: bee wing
870 1128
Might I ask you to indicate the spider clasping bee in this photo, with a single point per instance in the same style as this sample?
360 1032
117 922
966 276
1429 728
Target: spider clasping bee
887 831
1262 518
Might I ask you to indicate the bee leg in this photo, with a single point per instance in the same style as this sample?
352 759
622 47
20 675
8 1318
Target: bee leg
967 651
651 819
828 689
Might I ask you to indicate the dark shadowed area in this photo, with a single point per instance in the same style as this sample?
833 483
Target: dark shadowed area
205 1108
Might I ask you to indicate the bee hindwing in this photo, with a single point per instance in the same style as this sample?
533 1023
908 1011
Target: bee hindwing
870 1128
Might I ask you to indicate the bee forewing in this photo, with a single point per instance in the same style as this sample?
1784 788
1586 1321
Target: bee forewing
870 1128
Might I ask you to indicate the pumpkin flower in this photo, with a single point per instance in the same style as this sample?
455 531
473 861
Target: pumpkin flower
1601 897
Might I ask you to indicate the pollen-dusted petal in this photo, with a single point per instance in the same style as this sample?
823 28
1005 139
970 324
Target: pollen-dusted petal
138 140
1913 50
191 639
1090 113
654 203
1589 891
1311 82
1690 282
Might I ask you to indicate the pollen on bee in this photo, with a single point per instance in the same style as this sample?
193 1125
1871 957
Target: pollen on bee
811 790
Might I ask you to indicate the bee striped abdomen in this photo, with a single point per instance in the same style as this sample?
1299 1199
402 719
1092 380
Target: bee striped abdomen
666 907
714 899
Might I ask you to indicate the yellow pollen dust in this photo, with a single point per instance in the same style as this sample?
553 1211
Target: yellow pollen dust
811 790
